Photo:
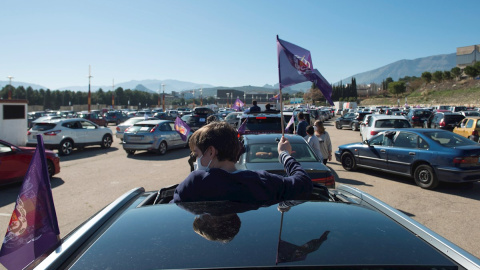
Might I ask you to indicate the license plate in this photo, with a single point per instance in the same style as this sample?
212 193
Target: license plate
135 138
202 120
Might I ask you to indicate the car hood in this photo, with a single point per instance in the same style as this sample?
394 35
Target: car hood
31 150
309 233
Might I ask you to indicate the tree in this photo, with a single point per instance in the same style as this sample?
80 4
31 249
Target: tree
471 71
397 88
456 72
447 76
437 76
477 67
427 76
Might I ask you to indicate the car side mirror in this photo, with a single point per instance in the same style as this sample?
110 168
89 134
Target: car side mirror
366 142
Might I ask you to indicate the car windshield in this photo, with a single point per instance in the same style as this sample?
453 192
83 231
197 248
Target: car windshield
392 123
453 118
43 126
449 139
268 153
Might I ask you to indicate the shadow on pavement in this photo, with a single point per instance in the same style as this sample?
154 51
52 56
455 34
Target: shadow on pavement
87 152
9 193
172 154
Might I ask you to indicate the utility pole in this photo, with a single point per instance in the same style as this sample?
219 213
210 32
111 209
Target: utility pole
113 93
10 88
163 98
89 92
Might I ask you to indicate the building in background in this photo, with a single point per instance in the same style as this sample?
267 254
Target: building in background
467 56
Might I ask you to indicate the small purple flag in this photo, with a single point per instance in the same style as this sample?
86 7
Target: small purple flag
294 63
182 128
238 105
243 126
33 228
291 122
276 97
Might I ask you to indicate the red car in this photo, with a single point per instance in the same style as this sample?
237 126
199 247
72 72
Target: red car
14 162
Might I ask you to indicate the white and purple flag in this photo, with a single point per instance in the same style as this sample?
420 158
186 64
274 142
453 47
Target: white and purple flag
291 122
33 228
182 128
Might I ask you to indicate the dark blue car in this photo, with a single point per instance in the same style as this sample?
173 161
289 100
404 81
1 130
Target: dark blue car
429 156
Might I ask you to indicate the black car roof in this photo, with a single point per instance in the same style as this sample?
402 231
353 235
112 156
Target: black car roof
312 234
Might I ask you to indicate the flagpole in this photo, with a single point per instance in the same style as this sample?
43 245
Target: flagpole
280 94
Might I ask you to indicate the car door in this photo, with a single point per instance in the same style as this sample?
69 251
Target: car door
91 132
403 152
374 154
176 136
461 129
13 163
168 134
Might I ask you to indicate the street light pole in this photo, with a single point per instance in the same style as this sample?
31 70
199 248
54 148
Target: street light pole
163 97
201 97
89 92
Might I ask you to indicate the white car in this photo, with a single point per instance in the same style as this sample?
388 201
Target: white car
66 134
130 122
379 122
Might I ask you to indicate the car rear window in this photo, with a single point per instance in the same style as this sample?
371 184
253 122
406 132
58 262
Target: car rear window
203 111
142 128
43 126
422 113
392 123
449 139
263 123
268 153
453 118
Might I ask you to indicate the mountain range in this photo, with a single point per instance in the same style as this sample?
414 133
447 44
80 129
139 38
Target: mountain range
394 70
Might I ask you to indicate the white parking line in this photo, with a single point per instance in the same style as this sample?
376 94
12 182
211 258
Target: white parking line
5 215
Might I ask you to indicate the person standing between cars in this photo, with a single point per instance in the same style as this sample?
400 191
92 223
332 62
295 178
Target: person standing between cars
302 125
216 178
325 142
255 108
314 142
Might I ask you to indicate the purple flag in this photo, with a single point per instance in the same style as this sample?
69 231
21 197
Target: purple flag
292 120
33 228
182 128
294 63
322 84
237 105
243 126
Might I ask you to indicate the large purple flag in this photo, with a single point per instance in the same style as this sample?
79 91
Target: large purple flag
33 227
294 63
322 84
182 128
238 105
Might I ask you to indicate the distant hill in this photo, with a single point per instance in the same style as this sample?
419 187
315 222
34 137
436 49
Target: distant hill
24 84
404 68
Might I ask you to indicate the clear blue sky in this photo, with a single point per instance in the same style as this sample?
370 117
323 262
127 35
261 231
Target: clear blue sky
220 42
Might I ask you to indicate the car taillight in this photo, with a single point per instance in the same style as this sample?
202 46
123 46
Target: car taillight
52 133
373 132
466 160
118 129
28 133
442 123
127 129
261 117
415 117
328 181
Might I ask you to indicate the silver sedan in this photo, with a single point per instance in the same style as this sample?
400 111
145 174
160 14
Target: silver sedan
153 136
130 122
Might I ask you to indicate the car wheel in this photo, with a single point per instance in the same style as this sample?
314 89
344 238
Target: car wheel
66 147
130 152
425 177
338 125
106 141
354 127
162 149
50 169
348 161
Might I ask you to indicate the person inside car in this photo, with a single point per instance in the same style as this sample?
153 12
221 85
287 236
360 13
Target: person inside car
216 178
268 108
254 108
193 157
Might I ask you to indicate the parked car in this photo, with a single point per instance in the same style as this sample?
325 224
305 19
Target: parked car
198 117
116 117
458 108
470 113
429 156
233 118
379 123
15 160
428 123
261 154
469 128
32 116
130 122
446 120
153 136
351 120
417 117
67 134
343 228
94 117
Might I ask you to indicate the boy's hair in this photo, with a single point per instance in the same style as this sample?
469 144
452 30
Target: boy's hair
310 130
300 115
221 136
320 127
